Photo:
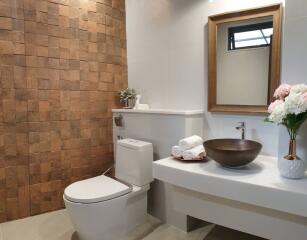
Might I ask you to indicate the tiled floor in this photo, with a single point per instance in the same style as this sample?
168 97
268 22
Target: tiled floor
57 226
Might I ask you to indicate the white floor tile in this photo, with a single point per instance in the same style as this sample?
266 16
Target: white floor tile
145 229
167 232
51 226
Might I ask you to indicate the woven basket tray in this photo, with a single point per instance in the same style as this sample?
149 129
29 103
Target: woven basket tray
202 157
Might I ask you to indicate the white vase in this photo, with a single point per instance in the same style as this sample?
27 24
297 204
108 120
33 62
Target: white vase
293 169
292 166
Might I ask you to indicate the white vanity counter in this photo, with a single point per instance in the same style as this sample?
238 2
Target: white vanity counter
258 184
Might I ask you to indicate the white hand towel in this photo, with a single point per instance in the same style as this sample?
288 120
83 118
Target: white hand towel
177 151
190 142
193 153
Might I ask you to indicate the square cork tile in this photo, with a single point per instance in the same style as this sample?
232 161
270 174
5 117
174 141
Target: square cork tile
18 12
30 27
64 10
55 63
42 28
42 17
64 22
6 47
42 6
42 40
5 10
54 52
53 19
53 8
19 60
6 77
29 16
6 35
19 77
19 49
6 23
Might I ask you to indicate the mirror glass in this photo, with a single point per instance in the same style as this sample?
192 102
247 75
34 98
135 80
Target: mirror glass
243 61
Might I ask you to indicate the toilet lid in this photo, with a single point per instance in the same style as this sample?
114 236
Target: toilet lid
95 189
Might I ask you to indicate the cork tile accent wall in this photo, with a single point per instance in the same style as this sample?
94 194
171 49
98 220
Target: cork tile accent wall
14 157
62 63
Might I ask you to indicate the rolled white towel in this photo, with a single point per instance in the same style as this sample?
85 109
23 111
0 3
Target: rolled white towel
177 151
190 142
193 153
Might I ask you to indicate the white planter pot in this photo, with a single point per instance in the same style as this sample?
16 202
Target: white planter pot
293 169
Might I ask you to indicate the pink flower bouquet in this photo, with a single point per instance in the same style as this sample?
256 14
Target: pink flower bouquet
289 108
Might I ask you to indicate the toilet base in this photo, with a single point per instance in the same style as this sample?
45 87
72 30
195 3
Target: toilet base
98 221
136 207
109 220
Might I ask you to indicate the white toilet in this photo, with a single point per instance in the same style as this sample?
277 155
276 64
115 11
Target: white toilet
103 208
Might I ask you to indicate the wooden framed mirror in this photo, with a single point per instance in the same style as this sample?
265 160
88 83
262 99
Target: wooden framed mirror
244 59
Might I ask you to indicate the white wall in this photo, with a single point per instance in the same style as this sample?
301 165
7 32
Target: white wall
166 52
167 61
294 63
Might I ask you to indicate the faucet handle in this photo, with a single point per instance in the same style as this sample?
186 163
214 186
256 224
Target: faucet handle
242 124
242 127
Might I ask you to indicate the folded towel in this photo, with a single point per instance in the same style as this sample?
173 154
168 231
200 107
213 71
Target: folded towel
177 151
190 142
193 153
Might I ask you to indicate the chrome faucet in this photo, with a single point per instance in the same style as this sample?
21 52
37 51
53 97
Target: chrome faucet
242 127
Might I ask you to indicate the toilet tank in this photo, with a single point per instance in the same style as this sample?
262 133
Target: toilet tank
134 161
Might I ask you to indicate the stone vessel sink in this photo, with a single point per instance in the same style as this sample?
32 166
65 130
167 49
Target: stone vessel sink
232 152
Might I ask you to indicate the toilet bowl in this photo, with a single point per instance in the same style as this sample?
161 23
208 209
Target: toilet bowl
105 208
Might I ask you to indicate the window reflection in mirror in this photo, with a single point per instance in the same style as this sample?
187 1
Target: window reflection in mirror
250 36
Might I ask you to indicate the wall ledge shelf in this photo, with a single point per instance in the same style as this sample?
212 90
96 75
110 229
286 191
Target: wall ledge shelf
161 111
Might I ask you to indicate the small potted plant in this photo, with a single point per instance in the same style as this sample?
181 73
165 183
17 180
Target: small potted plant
290 110
128 97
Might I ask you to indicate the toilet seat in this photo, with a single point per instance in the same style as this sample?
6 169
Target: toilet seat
97 189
